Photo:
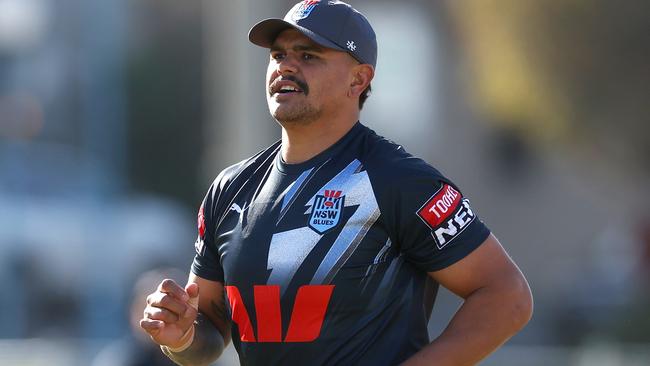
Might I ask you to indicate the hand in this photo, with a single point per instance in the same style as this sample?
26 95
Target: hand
170 312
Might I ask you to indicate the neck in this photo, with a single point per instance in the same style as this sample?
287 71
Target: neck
301 142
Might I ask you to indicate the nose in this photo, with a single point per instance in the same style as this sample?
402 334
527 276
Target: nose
288 64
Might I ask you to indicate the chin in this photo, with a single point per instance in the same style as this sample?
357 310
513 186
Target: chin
286 120
294 116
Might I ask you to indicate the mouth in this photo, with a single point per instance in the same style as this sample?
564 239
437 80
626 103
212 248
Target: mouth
286 87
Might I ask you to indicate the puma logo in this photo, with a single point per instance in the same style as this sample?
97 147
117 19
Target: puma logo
235 207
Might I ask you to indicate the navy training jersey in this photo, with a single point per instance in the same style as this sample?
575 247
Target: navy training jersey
325 262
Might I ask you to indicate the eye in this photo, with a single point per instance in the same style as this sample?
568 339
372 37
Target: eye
308 56
277 56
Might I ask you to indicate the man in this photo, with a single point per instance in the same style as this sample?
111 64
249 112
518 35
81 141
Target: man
328 247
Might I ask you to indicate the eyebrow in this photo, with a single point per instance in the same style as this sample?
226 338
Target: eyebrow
299 47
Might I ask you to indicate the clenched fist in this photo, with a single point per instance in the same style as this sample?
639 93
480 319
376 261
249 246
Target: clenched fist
170 313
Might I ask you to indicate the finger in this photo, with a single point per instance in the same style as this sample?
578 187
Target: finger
165 301
164 315
192 290
152 327
170 287
190 314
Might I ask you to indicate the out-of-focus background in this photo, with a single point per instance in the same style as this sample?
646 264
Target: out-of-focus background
116 115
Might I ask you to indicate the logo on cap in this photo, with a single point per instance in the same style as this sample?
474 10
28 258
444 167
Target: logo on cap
351 46
304 9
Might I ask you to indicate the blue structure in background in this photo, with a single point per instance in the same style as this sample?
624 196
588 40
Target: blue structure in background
70 238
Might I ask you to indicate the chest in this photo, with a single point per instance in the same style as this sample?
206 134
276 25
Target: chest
306 229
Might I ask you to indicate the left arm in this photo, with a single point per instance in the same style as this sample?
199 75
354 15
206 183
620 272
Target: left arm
498 303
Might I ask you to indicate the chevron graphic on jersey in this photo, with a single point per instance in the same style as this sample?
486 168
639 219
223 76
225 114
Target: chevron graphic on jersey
354 181
294 188
299 242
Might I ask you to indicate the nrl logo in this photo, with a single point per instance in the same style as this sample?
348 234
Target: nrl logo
304 9
326 211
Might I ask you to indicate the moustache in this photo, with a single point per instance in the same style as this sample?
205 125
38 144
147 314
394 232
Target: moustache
301 84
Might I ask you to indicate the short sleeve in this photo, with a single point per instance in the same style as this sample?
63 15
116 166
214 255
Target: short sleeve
433 223
206 262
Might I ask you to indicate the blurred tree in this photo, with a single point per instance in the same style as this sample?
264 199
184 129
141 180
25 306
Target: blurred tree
165 95
572 71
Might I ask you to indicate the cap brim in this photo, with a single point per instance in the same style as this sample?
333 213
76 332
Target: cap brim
265 32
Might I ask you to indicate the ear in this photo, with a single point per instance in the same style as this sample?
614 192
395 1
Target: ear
362 75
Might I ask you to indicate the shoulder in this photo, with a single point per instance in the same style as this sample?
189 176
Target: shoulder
388 161
242 170
226 184
404 184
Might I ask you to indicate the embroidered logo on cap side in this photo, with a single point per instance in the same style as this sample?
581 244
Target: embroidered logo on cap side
304 9
351 46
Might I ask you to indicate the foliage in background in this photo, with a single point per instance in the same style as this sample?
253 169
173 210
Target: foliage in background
572 71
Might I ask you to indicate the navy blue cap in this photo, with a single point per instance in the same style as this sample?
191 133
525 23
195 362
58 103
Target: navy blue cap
332 24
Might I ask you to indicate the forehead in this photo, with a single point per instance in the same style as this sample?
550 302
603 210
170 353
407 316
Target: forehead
292 39
289 38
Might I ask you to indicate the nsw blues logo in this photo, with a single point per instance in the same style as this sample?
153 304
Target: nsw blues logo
326 212
304 9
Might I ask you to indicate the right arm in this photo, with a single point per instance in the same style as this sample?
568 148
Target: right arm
191 325
212 303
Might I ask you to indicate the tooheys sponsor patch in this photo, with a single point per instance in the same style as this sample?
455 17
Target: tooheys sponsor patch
447 213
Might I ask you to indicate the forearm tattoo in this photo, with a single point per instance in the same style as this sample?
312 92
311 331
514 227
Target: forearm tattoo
206 347
219 309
